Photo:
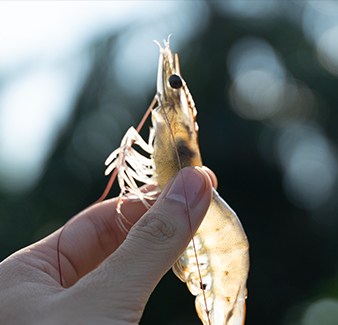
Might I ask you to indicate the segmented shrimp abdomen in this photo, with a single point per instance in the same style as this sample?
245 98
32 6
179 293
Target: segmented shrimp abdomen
223 255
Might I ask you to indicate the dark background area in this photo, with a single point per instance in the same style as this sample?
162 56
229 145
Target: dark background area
293 243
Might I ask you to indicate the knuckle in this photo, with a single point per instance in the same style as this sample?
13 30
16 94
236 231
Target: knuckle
156 229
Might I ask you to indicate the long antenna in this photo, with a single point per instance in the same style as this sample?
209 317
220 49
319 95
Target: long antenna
105 192
187 208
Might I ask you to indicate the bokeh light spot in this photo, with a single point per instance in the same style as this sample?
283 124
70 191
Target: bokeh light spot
327 49
258 88
257 95
310 164
322 312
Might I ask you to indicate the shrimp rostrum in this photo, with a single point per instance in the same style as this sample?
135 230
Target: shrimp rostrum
216 262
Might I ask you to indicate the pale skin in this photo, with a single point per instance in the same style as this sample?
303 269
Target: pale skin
108 276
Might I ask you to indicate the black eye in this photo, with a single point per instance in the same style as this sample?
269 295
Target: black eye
175 81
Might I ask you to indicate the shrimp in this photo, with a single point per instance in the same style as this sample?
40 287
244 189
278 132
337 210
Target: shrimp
215 264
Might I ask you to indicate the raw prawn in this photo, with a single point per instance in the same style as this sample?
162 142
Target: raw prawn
215 264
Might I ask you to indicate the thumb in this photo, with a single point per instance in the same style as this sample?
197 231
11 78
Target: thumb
154 243
162 234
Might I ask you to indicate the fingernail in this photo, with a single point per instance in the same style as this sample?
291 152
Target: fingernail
194 184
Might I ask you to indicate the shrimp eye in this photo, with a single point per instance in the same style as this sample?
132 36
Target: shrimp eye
175 81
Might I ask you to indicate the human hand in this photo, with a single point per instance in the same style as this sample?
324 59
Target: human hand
109 276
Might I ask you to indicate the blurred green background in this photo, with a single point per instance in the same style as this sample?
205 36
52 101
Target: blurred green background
263 75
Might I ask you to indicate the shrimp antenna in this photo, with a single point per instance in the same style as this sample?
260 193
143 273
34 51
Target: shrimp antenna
105 192
177 65
187 205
